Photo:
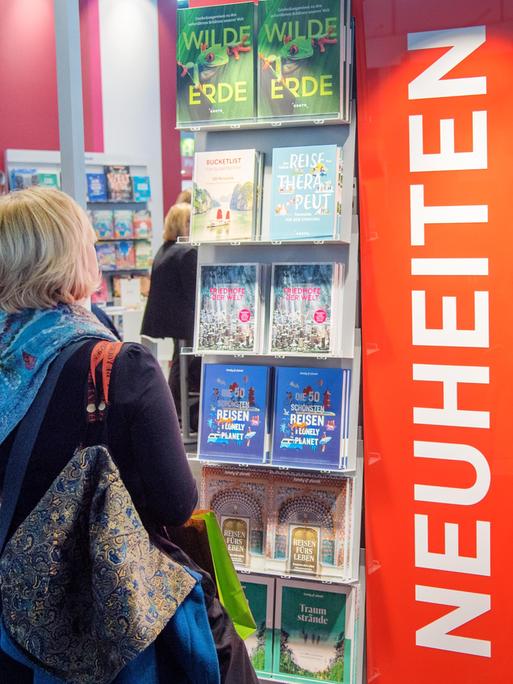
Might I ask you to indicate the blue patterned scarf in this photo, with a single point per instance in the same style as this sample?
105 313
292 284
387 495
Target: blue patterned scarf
29 342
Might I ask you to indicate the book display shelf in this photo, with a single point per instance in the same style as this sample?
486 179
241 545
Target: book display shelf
118 197
277 327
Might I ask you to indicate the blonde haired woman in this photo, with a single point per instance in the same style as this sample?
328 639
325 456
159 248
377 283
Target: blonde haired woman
171 301
48 268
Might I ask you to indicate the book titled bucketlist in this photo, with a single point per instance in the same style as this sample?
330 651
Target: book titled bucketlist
299 58
215 67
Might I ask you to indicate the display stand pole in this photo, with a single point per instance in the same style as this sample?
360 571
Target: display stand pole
69 87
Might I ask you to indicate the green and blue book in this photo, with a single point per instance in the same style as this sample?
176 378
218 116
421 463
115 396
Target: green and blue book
301 48
313 633
234 411
306 194
215 55
259 592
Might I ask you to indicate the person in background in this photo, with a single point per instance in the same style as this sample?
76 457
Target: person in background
171 300
185 197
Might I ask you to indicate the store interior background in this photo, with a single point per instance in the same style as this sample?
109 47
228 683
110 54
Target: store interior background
127 49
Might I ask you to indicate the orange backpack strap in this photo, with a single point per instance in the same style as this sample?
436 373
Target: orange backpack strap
104 354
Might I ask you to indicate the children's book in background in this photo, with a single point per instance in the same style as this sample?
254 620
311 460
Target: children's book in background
103 224
215 63
106 253
225 198
102 294
123 227
142 224
143 254
306 193
313 634
49 180
304 308
125 254
96 187
119 183
142 188
311 418
308 523
234 412
259 592
300 62
239 499
228 308
20 179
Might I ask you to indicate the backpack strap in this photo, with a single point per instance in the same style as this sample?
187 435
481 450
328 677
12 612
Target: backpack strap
25 439
103 355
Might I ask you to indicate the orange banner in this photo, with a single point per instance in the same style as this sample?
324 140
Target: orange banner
435 122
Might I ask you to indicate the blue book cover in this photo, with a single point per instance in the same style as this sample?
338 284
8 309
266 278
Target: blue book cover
304 199
96 187
311 418
142 188
234 413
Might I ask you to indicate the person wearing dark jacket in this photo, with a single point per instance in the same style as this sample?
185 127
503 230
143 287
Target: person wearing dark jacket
171 300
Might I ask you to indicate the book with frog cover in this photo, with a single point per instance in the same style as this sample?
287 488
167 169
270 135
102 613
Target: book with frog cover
300 58
215 64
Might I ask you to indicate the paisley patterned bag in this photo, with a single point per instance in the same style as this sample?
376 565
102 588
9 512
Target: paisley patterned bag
83 588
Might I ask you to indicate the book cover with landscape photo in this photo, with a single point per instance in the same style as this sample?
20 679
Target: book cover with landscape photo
215 64
300 45
259 592
224 203
311 642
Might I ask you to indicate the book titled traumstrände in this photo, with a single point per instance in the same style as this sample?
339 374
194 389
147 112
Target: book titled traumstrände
215 62
311 418
304 308
233 426
225 203
311 643
306 192
228 308
300 48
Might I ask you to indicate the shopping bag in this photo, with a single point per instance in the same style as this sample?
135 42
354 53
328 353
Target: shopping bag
231 593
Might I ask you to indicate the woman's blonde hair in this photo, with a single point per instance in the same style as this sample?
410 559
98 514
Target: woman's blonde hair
177 222
44 241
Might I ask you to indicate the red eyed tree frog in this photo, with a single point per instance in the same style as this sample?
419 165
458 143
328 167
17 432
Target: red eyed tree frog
213 57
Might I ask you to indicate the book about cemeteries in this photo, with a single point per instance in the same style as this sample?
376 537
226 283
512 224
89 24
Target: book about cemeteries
215 64
228 308
305 308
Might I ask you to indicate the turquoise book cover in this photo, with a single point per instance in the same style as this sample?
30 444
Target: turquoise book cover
215 64
259 592
310 641
304 192
299 58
